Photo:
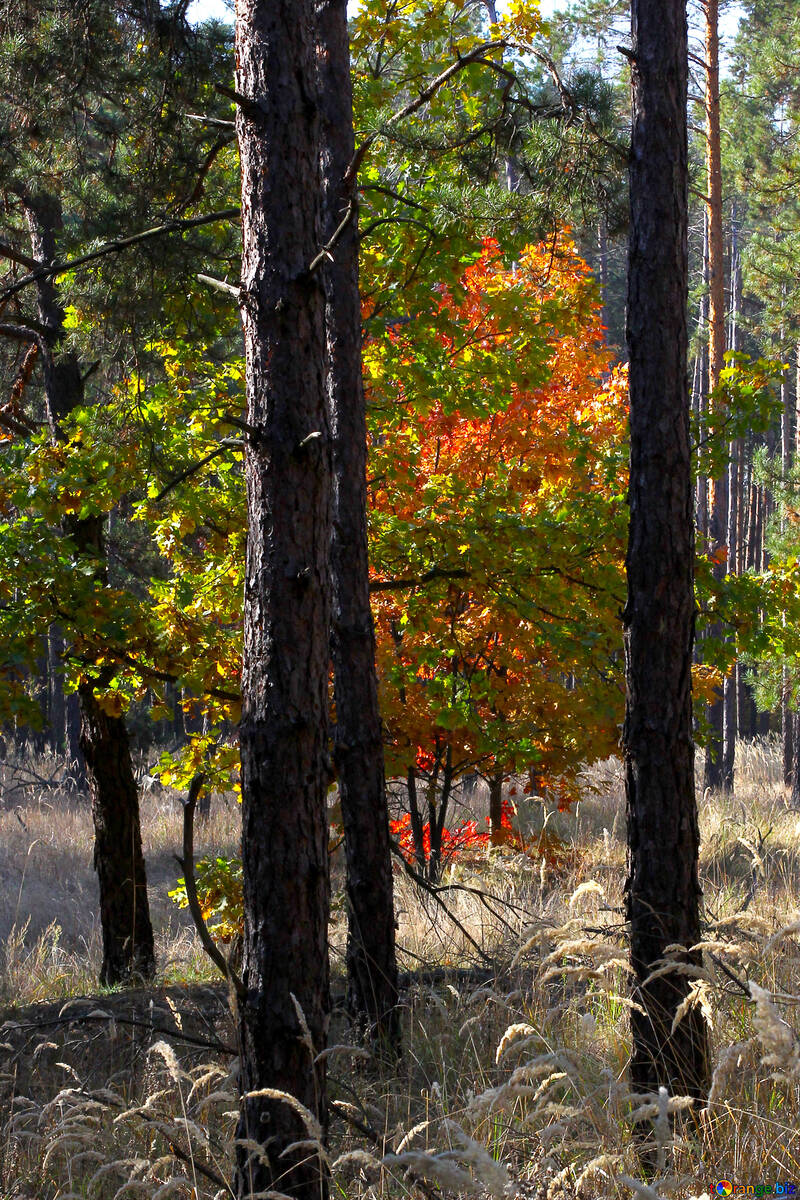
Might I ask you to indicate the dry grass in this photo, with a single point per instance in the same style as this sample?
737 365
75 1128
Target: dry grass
516 1087
49 923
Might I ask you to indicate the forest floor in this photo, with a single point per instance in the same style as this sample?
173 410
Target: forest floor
512 1080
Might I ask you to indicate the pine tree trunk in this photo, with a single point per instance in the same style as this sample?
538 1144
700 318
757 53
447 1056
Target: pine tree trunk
787 715
700 392
284 726
718 514
125 917
662 889
358 744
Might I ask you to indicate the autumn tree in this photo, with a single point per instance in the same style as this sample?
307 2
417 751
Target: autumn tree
663 891
283 1011
497 457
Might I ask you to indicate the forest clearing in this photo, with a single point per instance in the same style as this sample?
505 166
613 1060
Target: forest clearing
399 599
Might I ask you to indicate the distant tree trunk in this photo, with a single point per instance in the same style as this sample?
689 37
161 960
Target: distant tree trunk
717 523
125 916
284 727
734 538
41 737
75 776
57 700
437 813
358 743
787 714
700 391
417 824
496 809
662 889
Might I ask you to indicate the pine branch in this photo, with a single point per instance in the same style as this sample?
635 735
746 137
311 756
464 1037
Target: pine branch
54 269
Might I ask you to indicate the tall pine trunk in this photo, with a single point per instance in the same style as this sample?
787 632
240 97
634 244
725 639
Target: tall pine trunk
718 512
283 1013
662 888
358 742
128 950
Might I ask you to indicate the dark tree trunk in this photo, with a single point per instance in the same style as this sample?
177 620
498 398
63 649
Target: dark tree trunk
128 952
794 772
358 744
662 889
57 700
437 815
284 727
40 738
75 775
496 809
417 825
714 773
125 916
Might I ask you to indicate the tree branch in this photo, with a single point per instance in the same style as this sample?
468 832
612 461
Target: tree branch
52 270
23 260
187 864
225 444
388 585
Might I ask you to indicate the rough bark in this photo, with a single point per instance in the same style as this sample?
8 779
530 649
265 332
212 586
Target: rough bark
662 890
128 952
284 727
358 739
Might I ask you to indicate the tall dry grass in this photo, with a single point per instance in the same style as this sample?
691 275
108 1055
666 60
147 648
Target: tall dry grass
514 1086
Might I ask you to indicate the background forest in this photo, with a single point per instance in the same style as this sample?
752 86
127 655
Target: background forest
407 951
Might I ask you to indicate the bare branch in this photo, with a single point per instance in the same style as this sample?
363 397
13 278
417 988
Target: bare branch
388 585
193 468
52 270
221 285
187 863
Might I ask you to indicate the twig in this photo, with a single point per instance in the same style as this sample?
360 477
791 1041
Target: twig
433 891
76 1018
221 285
187 863
225 444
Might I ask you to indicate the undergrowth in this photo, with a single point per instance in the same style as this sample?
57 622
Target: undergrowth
513 1086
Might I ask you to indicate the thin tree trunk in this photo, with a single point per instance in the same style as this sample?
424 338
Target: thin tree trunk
417 825
125 917
284 1011
718 515
663 890
438 815
358 742
75 776
700 391
56 705
787 715
496 810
